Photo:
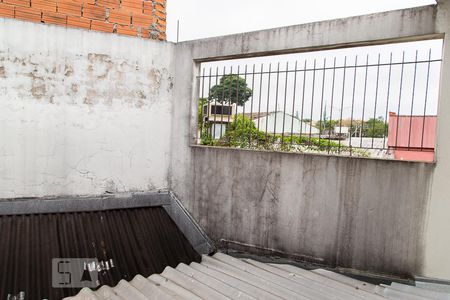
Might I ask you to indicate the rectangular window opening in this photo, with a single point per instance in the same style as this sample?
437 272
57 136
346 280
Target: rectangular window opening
374 101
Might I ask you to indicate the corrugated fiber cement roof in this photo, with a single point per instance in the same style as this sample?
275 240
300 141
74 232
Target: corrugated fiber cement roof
224 277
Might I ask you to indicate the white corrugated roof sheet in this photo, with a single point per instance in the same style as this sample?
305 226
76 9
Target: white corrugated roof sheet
224 277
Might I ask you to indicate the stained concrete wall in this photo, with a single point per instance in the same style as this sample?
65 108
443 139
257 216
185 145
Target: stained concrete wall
354 213
82 112
85 113
437 238
365 214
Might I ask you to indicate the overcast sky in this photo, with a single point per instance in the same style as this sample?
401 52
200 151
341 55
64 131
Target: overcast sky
207 18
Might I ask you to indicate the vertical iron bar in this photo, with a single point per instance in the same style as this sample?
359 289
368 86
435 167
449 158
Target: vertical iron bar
353 105
209 89
331 105
303 100
215 106
400 99
376 99
312 101
426 100
268 98
285 99
293 100
364 101
321 100
200 100
222 99
260 95
245 94
342 102
276 104
412 100
230 106
386 124
251 104
237 95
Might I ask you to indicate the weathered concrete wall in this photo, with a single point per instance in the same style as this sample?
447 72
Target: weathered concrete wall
358 213
82 112
437 258
355 213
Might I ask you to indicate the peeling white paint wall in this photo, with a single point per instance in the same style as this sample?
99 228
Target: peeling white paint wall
82 112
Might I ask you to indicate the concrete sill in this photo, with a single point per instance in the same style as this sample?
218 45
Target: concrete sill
312 154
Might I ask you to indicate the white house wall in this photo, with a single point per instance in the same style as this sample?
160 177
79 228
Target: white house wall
82 112
275 122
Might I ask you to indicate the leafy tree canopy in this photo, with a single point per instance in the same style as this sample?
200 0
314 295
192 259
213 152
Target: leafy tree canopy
375 128
231 89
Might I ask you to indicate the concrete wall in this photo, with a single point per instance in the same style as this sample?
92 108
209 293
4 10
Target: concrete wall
82 112
437 242
358 213
85 113
354 213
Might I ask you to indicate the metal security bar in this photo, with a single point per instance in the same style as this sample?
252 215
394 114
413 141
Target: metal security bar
376 105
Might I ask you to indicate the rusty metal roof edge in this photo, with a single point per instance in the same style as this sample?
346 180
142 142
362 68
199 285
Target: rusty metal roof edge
70 204
83 204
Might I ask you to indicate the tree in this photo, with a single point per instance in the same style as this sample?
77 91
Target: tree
242 133
231 89
327 125
375 128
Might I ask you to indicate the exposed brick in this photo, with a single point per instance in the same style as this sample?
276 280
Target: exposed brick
54 18
94 12
70 7
102 26
119 17
142 20
24 3
148 5
161 22
109 3
145 33
160 14
78 22
160 2
127 30
45 5
134 6
6 10
28 14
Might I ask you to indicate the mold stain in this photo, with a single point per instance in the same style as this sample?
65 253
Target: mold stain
2 72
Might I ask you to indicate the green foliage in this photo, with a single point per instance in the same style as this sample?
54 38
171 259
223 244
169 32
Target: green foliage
201 102
242 133
327 125
231 89
375 128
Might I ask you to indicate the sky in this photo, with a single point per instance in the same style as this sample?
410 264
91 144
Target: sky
208 18
312 95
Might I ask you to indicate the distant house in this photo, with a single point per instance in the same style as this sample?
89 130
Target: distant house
341 133
273 121
412 137
218 116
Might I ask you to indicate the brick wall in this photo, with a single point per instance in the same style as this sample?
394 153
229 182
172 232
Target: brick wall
143 18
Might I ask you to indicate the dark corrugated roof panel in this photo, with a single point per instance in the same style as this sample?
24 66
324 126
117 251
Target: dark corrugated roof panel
138 241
